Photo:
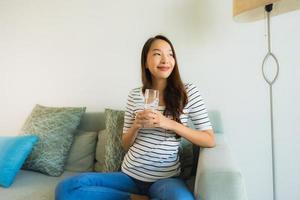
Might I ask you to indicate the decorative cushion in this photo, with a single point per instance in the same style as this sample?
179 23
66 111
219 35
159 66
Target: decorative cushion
82 153
55 128
100 151
13 152
113 153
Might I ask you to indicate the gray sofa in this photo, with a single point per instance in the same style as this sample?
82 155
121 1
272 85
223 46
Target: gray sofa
217 177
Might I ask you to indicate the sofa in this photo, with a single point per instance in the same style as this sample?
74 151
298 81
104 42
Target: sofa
217 177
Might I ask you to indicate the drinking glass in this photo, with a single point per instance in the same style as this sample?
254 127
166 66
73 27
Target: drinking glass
151 102
151 99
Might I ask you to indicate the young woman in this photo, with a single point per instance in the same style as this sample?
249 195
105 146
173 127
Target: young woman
151 166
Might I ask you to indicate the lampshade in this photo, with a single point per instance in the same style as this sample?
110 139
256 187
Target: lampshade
252 10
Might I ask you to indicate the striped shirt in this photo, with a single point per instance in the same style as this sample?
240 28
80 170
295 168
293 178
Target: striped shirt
154 153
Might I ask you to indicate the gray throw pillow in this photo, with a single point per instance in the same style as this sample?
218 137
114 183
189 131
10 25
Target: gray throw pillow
113 151
100 151
55 128
82 153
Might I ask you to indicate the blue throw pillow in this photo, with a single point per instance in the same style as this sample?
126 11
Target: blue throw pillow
13 152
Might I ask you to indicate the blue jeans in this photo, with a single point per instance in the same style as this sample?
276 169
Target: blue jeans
119 186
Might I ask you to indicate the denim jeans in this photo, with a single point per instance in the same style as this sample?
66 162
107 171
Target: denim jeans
119 186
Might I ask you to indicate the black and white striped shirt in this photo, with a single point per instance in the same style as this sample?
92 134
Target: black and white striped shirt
154 154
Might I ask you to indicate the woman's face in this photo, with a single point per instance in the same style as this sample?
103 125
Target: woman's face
160 60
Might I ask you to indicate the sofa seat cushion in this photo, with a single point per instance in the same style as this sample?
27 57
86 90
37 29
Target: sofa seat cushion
33 185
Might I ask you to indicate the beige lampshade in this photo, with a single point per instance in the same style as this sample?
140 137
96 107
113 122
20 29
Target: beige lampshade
252 10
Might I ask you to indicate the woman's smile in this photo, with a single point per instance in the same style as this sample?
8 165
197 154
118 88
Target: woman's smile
163 68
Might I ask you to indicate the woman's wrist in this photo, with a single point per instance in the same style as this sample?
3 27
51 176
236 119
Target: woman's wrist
172 125
176 127
135 127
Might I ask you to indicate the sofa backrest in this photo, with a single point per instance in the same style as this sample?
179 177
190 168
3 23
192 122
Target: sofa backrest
95 121
92 121
215 118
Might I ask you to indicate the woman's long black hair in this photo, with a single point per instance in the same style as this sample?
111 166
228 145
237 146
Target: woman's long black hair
175 95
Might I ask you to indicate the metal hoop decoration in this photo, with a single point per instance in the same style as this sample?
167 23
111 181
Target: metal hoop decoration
270 55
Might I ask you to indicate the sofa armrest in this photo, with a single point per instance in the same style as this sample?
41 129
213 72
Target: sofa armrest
217 177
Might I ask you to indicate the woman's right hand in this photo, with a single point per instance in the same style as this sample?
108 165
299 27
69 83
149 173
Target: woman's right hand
143 118
138 121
